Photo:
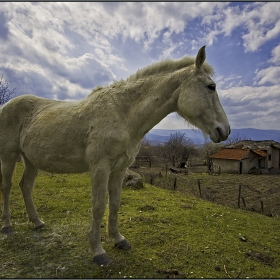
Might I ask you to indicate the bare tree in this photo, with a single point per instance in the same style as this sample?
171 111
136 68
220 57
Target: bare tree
146 152
5 93
178 149
163 154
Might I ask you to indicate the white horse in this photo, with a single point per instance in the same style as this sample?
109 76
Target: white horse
102 134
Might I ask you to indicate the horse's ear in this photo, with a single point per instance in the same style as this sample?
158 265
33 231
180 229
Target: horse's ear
200 57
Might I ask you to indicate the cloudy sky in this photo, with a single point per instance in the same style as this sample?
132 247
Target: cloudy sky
63 50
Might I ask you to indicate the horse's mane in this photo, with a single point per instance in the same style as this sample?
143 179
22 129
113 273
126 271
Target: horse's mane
168 65
164 66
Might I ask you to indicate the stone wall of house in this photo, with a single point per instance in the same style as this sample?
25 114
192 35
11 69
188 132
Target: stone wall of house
227 166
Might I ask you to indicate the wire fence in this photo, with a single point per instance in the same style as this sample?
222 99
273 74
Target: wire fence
258 193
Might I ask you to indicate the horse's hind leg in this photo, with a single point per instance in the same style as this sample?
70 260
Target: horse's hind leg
26 184
7 168
114 189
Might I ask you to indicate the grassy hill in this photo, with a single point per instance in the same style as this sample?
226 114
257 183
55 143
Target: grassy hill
173 235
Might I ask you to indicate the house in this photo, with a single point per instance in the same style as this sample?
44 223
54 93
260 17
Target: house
248 156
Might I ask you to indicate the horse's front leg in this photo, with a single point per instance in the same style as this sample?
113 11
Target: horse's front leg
115 188
99 180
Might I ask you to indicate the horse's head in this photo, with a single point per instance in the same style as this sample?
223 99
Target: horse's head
198 101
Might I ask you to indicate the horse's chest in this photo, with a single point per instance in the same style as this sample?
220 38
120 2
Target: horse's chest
126 158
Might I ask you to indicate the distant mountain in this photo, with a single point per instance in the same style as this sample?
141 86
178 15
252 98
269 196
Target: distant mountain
156 136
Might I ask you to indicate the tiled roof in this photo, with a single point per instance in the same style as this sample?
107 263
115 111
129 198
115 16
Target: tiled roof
234 154
254 145
259 152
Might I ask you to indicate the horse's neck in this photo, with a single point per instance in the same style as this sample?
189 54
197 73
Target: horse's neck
151 99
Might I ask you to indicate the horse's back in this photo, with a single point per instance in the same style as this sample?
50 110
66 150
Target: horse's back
65 137
15 111
13 117
51 133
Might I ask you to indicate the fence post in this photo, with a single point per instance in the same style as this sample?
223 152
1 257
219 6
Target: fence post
199 188
152 179
175 183
262 206
239 195
243 200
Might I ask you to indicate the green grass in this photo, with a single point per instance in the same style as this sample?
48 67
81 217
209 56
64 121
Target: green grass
172 235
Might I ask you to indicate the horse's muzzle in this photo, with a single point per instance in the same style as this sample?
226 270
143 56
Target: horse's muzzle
220 133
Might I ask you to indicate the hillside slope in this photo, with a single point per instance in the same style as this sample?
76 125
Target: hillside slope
172 236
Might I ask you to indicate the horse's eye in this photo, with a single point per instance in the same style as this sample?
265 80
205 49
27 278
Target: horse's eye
212 87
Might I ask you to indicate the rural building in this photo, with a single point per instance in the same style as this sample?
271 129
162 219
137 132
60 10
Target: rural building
248 156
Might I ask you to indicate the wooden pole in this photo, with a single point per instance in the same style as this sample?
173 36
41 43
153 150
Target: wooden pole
175 183
243 201
239 195
199 187
262 206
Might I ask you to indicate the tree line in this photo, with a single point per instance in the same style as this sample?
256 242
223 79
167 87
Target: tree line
179 148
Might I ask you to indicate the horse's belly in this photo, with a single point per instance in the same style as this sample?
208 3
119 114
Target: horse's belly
54 147
59 164
56 160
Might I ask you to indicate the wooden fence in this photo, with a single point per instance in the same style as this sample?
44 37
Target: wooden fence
252 193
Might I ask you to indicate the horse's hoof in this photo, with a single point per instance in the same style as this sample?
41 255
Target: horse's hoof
7 230
101 260
42 226
124 245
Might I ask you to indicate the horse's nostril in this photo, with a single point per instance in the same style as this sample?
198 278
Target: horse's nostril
220 132
223 133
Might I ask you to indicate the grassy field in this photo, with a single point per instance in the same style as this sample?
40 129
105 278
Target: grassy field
173 235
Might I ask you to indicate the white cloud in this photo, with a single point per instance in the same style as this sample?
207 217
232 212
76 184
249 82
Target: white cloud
72 47
53 38
269 75
260 34
275 55
224 82
252 106
260 23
